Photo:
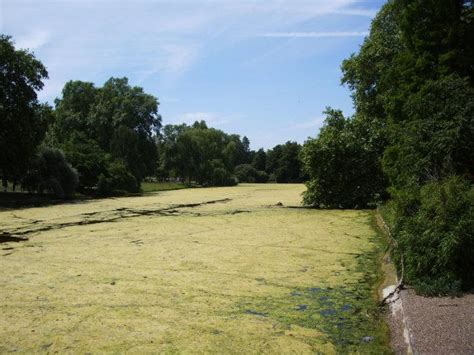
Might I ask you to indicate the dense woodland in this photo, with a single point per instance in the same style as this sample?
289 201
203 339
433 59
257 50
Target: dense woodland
410 140
408 148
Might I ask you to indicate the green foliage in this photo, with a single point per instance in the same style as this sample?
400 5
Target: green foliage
437 239
412 84
436 138
87 157
117 120
200 154
247 173
117 180
23 121
50 173
344 169
283 163
220 176
259 160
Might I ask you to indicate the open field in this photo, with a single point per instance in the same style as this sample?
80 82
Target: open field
225 270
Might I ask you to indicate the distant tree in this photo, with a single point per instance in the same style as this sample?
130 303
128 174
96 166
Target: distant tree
199 154
117 180
119 122
289 164
23 121
87 157
50 173
273 158
220 176
260 160
247 173
283 163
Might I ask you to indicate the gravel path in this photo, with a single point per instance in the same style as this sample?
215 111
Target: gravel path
434 325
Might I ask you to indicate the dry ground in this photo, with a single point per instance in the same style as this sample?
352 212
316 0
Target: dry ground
199 270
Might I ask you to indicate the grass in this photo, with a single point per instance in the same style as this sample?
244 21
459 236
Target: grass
222 270
162 186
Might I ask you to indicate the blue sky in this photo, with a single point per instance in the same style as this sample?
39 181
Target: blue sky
264 69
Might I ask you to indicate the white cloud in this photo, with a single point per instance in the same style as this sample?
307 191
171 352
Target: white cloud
313 34
32 40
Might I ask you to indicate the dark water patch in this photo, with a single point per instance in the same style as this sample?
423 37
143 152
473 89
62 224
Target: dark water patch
345 316
328 312
346 307
255 313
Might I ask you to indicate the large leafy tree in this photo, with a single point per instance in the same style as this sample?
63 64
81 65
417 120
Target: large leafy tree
343 165
201 154
23 120
412 84
116 121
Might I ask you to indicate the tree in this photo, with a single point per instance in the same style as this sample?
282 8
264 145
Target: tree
86 156
344 172
119 122
412 84
200 154
289 164
260 160
247 173
51 173
283 163
23 121
117 180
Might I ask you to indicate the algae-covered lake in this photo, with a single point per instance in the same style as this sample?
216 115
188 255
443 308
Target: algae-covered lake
221 270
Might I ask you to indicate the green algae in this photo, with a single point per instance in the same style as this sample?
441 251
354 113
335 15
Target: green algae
120 275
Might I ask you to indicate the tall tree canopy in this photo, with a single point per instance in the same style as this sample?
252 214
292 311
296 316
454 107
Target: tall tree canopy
413 88
23 120
343 164
95 126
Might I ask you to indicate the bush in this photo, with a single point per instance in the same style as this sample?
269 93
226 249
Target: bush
221 177
50 173
247 173
435 233
117 181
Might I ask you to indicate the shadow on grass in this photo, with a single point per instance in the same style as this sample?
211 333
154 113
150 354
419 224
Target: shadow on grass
20 200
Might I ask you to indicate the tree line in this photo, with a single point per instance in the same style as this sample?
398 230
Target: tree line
107 140
410 139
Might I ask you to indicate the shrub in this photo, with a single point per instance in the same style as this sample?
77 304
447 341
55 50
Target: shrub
247 173
436 236
117 181
221 177
50 173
